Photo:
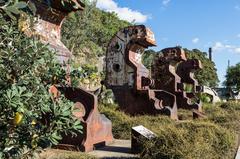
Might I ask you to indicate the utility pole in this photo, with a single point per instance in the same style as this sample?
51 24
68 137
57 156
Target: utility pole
210 53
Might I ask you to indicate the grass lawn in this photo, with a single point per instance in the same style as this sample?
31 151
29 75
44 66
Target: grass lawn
211 138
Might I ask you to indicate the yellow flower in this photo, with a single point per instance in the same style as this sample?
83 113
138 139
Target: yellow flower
24 22
34 136
18 118
34 122
34 141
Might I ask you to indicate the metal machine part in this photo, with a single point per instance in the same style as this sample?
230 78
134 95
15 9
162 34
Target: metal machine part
96 127
173 72
47 27
129 79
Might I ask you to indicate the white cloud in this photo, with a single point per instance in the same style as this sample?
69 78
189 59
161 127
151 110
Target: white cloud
166 2
106 4
237 7
195 40
123 13
237 50
219 46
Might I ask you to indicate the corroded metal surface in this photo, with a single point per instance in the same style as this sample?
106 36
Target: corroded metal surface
48 24
129 78
174 73
124 57
96 127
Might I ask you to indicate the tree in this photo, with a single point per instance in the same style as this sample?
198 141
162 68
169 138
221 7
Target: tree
29 117
93 29
233 77
148 57
208 75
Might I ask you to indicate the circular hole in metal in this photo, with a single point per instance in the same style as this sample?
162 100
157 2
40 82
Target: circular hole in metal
116 67
136 31
117 46
174 51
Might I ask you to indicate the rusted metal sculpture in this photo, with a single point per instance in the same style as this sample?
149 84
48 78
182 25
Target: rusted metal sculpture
48 25
174 73
97 128
129 79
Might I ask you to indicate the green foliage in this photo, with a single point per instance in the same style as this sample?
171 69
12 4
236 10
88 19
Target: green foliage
233 77
29 117
214 137
188 87
205 98
86 76
148 57
12 8
106 96
15 7
89 32
208 75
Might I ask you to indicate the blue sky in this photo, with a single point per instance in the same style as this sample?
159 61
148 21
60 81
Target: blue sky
190 23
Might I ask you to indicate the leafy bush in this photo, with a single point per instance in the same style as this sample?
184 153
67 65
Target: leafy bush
91 77
29 117
205 98
95 29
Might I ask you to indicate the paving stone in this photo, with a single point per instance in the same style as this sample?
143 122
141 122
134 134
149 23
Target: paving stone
119 149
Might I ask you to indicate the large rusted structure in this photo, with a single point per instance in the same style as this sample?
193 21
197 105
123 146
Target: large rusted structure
97 128
49 22
174 73
130 80
171 85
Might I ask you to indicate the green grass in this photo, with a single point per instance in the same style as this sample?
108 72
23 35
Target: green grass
211 138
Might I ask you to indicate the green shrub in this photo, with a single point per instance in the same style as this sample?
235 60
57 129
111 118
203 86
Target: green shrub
205 98
29 117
